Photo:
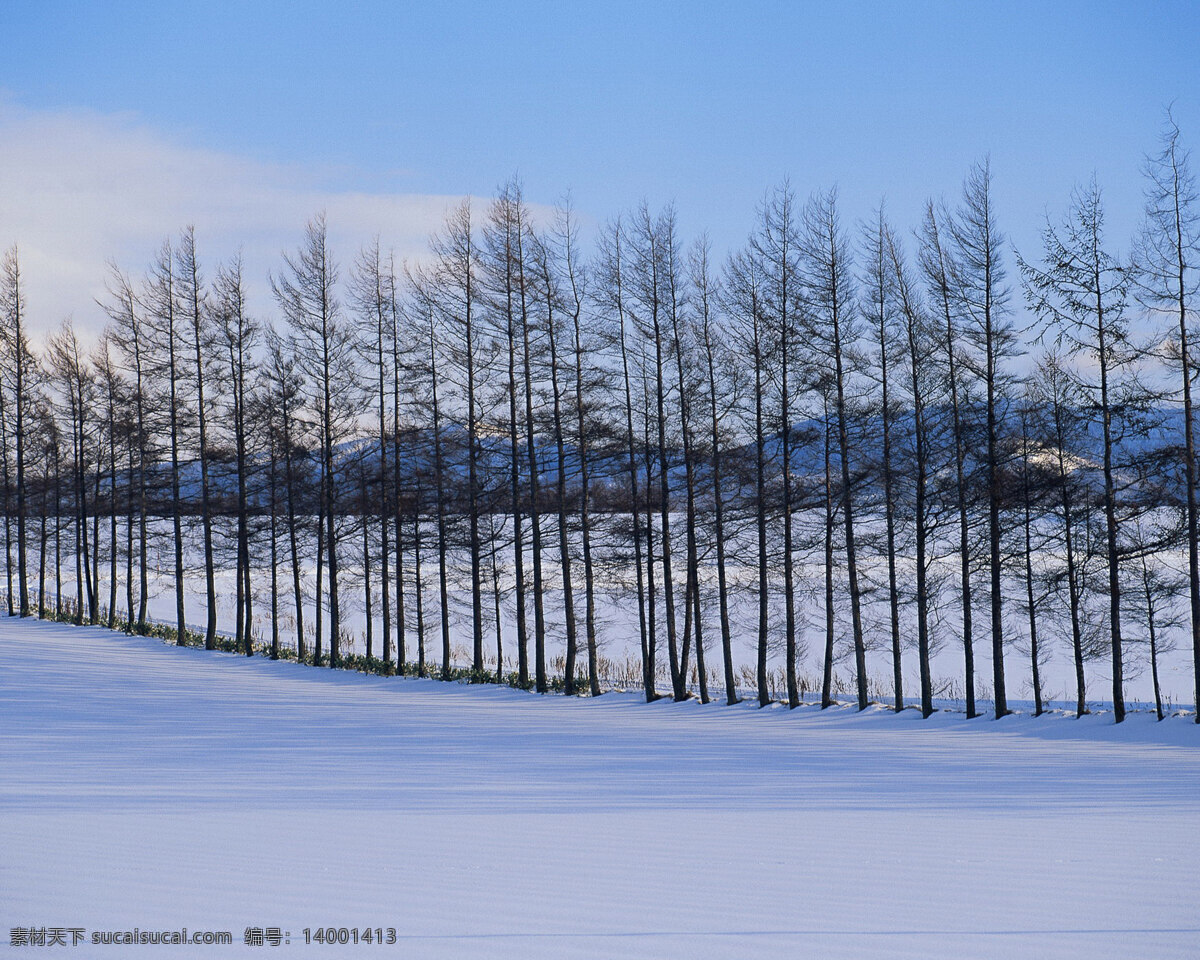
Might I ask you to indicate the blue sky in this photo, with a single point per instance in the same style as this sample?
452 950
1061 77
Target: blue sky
702 103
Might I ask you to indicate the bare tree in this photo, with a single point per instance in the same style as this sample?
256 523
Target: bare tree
525 295
1166 262
452 290
7 498
920 347
73 382
241 335
774 244
283 387
548 257
743 286
198 317
586 384
983 299
574 296
112 388
371 291
715 354
504 282
880 309
395 315
306 294
652 304
611 290
1081 294
939 270
161 301
829 295
130 337
16 354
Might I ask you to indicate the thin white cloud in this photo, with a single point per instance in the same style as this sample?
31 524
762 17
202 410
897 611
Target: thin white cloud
79 188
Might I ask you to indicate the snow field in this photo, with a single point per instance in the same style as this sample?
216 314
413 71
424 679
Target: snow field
155 787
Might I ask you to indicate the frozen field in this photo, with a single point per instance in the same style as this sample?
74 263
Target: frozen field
145 786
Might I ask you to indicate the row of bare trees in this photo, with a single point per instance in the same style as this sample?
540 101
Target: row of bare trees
838 445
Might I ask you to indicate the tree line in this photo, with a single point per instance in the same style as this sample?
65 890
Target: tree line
838 441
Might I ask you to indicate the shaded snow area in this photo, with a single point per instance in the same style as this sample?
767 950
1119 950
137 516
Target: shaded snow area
153 788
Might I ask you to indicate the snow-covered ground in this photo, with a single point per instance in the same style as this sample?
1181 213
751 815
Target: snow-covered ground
150 787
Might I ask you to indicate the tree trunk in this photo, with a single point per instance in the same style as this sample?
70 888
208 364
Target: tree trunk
564 548
830 526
